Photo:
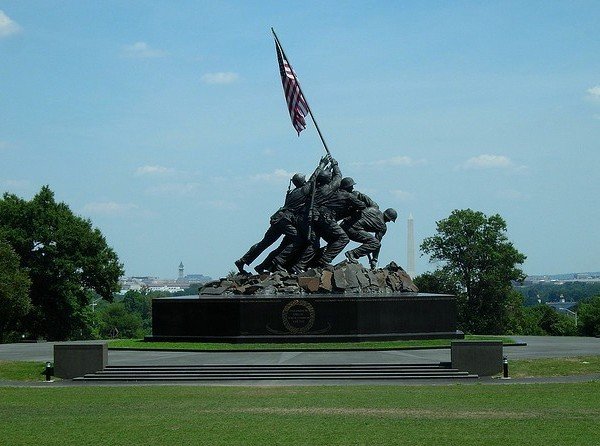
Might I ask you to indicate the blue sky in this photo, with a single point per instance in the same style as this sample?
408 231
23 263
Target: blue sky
165 124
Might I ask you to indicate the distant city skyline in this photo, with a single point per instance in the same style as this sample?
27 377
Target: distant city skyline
165 124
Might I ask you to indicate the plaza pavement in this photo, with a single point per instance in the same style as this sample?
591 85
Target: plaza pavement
537 347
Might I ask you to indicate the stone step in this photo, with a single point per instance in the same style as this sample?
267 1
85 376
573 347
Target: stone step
281 366
275 370
241 372
269 377
278 373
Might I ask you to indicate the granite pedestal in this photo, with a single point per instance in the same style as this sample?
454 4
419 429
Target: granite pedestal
304 318
483 358
73 360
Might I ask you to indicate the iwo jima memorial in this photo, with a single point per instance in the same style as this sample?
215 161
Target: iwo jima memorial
297 294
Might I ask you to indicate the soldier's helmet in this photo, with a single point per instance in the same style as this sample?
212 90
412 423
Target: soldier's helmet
299 180
323 177
391 214
347 183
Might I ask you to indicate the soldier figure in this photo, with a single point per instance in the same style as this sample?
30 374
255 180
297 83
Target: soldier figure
283 221
368 228
348 185
324 220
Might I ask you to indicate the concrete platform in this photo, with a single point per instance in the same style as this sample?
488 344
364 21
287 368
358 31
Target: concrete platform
537 347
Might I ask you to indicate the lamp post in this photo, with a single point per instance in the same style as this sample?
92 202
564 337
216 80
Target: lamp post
573 313
94 303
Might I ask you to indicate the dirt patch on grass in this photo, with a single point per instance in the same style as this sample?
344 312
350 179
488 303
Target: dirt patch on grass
409 413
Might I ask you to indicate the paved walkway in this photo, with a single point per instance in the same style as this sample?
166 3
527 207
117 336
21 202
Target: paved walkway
315 382
537 347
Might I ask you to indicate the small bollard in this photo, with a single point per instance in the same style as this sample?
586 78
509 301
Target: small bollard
505 368
48 371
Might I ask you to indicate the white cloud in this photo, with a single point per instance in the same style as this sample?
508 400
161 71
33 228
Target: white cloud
15 185
481 162
183 188
276 175
594 92
141 50
108 208
7 26
153 170
402 195
394 161
220 78
222 205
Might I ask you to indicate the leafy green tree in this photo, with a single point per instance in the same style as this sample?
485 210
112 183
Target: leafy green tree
66 258
474 251
140 304
543 320
438 281
14 292
116 321
589 317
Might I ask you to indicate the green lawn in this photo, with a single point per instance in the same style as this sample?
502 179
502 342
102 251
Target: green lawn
375 345
22 370
533 414
519 368
579 365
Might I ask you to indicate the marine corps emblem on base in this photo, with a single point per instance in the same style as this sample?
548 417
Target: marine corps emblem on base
298 316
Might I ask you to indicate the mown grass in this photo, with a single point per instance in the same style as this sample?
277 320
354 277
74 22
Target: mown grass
374 345
579 365
21 370
565 414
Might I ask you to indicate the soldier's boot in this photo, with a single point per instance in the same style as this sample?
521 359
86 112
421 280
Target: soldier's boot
240 266
296 269
261 268
276 266
351 257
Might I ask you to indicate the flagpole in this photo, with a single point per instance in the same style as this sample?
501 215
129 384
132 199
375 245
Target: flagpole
309 109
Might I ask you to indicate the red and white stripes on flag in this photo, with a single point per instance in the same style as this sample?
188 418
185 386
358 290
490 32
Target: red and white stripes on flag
296 103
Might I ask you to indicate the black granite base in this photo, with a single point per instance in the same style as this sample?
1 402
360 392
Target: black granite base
304 318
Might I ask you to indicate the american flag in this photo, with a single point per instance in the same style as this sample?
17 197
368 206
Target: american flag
296 103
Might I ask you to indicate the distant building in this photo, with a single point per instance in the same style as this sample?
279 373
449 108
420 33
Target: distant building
167 288
562 306
150 283
180 277
197 278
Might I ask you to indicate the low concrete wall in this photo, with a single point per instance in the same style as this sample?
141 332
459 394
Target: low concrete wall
483 358
73 360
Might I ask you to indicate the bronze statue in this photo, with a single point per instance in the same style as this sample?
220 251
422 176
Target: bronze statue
368 228
311 212
283 222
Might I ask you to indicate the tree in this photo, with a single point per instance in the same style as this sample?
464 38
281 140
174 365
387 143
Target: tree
116 321
475 252
438 281
543 320
589 317
14 292
66 258
141 304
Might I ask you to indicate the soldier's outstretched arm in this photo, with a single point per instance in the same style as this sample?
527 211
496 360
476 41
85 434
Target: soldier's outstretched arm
355 204
322 164
368 201
337 173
